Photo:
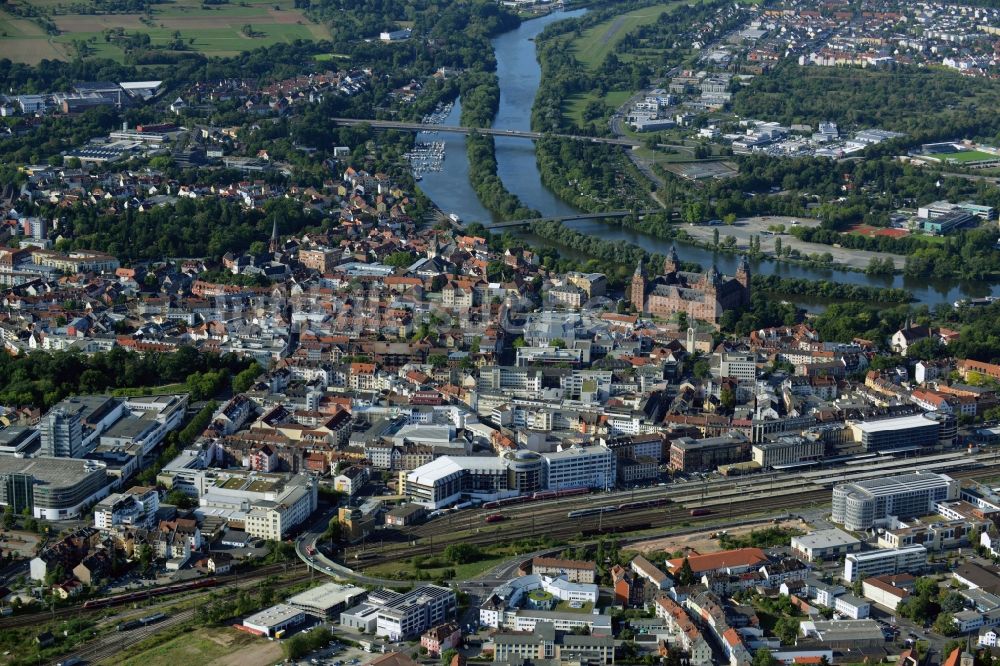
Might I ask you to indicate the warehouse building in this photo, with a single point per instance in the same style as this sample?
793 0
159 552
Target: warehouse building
863 504
824 544
274 621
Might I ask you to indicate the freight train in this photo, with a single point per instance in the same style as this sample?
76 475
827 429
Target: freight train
139 595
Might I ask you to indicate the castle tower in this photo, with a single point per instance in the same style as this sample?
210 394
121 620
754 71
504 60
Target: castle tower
711 279
638 292
689 346
274 245
743 277
672 263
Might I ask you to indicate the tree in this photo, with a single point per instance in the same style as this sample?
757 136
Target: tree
715 237
558 343
777 247
244 380
945 625
727 398
8 517
447 656
686 575
763 657
181 500
462 553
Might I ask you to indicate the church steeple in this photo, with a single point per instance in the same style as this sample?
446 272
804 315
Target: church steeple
274 246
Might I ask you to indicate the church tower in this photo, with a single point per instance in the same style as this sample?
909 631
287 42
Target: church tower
274 245
672 263
639 287
743 277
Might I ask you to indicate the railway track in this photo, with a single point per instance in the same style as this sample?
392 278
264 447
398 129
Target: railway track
108 646
230 581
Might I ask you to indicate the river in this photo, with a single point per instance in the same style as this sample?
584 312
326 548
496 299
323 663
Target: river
519 74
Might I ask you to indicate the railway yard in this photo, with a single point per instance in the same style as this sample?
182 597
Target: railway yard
573 518
585 517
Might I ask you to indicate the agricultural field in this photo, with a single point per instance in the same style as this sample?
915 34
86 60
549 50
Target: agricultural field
214 30
595 43
22 40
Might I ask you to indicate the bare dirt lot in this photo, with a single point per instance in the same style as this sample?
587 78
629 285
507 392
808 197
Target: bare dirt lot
758 226
20 543
702 542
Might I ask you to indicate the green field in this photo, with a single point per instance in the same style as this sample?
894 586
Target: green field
593 46
967 156
212 30
404 570
573 110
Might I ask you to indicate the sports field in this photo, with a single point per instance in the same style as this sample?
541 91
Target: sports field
214 30
968 156
596 42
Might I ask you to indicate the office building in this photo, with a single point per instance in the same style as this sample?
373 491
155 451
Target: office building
862 504
903 432
62 434
884 561
580 467
400 616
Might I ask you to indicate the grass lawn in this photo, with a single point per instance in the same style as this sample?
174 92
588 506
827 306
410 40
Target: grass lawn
166 389
564 607
596 43
205 646
574 108
462 571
